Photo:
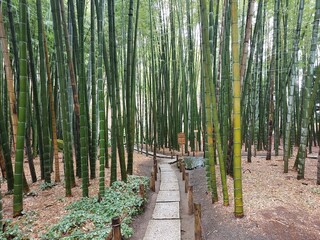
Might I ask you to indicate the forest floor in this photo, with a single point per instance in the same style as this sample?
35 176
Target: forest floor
44 208
276 205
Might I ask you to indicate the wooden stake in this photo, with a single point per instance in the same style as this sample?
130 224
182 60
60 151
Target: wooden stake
152 183
197 222
155 170
141 191
183 171
116 228
186 183
177 160
190 200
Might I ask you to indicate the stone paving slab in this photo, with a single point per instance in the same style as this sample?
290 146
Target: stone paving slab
165 168
164 165
170 175
168 196
167 210
163 230
168 178
169 186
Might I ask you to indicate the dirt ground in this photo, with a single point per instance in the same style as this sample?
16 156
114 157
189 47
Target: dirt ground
276 205
43 208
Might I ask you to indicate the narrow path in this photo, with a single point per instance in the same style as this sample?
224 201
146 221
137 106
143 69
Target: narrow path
165 223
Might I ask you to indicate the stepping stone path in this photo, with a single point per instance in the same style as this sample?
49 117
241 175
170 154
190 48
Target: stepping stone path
165 223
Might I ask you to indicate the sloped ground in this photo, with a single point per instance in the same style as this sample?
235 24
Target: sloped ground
276 205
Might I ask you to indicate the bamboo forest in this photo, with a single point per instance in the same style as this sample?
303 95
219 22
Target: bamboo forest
160 119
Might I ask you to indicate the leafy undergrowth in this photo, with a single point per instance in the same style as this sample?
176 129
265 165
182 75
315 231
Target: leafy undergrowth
90 218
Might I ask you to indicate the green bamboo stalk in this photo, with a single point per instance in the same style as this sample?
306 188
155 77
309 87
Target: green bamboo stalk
82 101
94 139
277 72
63 96
211 108
44 98
112 88
272 75
291 83
174 77
99 11
37 113
52 113
153 86
238 202
23 73
129 93
309 93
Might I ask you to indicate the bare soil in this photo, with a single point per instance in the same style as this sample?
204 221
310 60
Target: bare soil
276 205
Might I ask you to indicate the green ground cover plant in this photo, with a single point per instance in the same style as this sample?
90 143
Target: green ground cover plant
90 218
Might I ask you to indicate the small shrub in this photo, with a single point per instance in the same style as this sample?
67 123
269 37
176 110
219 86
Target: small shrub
11 231
45 185
316 190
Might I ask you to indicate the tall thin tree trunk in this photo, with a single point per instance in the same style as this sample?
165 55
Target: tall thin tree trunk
129 96
212 117
101 102
94 124
310 91
9 76
291 82
14 47
44 98
237 172
272 78
18 174
246 39
67 148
